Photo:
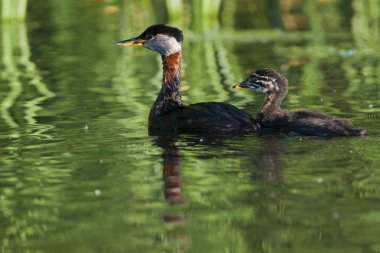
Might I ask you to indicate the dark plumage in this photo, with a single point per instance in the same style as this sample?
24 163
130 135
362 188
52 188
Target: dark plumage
211 118
162 29
168 113
303 122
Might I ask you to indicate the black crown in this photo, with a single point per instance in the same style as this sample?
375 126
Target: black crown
163 29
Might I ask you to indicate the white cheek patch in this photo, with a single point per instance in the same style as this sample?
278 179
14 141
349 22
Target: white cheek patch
168 45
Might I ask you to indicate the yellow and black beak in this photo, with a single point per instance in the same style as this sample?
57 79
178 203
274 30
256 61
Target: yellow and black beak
241 85
237 86
250 85
137 42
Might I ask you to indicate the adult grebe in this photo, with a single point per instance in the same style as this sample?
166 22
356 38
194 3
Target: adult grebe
168 114
303 122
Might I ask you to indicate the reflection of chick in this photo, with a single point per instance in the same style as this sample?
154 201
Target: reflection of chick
303 122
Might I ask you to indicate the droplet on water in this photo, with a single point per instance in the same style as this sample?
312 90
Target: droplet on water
320 180
97 192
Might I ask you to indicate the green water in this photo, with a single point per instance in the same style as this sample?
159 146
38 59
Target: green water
79 173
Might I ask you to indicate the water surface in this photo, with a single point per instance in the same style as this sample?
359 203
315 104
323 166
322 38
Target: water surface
79 172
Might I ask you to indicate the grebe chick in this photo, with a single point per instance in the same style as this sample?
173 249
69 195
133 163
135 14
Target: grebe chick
302 122
168 113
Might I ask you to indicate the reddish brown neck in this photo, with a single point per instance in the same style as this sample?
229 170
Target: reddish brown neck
169 98
172 69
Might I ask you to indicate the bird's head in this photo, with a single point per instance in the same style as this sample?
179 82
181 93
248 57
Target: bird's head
163 39
265 80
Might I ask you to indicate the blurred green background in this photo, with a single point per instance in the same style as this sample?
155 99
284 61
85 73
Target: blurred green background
79 172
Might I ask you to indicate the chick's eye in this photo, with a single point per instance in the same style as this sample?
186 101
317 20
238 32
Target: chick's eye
149 37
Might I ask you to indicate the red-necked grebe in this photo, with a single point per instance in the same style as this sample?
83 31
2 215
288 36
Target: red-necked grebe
168 113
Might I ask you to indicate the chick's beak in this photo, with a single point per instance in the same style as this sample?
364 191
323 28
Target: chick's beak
240 86
137 42
237 86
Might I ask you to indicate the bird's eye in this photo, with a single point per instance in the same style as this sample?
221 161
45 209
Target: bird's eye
149 37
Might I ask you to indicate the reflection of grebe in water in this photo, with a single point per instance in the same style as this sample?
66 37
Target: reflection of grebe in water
271 170
171 173
168 113
173 191
303 122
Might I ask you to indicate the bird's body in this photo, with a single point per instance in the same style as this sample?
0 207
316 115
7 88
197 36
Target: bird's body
310 123
302 122
168 114
209 118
